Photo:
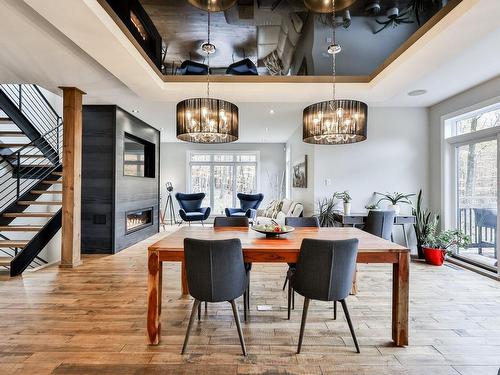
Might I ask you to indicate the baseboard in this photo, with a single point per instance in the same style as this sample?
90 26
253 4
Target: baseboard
43 266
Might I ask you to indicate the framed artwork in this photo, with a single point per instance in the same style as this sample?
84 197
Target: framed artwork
299 174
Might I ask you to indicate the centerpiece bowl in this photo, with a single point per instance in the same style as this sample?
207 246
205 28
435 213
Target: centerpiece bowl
272 230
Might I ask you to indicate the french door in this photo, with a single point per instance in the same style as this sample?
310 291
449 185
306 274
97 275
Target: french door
221 176
477 200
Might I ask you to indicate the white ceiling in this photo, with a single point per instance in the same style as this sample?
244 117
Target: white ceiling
75 43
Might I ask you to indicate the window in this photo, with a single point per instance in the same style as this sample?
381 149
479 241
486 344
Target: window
472 146
222 175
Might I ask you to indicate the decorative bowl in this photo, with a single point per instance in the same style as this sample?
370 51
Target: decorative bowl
272 230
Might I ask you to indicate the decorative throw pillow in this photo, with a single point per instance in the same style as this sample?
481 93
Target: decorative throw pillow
268 211
277 209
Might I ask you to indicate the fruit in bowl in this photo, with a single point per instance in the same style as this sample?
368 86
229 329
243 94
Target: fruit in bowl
271 230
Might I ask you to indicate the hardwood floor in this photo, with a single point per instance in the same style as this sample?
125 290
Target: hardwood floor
91 320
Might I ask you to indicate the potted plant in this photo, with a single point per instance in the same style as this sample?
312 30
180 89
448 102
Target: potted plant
394 199
326 212
346 198
437 243
372 207
424 218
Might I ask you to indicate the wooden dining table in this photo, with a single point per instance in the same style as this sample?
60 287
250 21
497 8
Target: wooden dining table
257 248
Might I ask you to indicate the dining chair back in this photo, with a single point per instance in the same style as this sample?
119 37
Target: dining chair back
311 221
325 272
223 221
215 273
380 223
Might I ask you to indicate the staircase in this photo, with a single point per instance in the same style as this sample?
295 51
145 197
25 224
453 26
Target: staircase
30 176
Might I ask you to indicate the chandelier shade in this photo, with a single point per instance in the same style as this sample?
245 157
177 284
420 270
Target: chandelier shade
323 6
213 5
335 122
207 120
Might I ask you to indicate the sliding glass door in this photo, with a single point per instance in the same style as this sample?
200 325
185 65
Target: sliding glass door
477 199
221 175
474 140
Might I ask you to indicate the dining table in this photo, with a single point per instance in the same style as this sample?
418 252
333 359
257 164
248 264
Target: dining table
258 248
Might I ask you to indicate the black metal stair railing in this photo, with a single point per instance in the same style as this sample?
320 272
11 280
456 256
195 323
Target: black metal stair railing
21 170
30 101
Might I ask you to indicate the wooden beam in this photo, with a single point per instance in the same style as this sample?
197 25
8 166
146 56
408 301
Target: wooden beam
72 169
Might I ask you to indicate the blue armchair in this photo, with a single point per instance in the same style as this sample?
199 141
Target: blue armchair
190 207
248 206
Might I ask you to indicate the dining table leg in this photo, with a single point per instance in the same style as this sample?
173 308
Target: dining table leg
400 299
154 298
184 283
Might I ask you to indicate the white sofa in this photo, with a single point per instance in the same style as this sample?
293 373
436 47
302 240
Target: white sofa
288 208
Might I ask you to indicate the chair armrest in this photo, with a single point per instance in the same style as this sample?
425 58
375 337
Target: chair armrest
231 211
251 213
205 211
182 214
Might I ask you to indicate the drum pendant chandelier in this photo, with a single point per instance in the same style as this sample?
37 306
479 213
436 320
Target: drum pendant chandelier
335 121
207 120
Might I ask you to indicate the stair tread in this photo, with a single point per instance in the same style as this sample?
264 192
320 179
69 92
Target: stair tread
34 156
28 214
5 120
12 145
13 243
11 133
43 203
46 191
20 228
5 261
52 182
57 173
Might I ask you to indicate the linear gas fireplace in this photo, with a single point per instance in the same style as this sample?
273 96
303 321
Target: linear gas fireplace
139 219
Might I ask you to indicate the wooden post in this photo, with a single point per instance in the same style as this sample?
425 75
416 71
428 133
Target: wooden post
72 170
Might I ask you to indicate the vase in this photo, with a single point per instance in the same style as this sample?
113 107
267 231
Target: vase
434 256
394 207
347 208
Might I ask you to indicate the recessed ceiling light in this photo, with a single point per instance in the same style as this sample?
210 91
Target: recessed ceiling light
417 92
135 111
267 129
271 112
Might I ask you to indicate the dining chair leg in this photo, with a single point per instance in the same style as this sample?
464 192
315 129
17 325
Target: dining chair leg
293 299
202 224
303 323
248 291
347 316
238 326
245 306
334 310
289 300
196 304
286 281
199 311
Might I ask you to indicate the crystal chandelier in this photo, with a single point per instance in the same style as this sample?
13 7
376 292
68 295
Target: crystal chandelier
336 121
207 120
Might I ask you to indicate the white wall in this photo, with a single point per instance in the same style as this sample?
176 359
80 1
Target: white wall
298 149
173 163
393 158
464 101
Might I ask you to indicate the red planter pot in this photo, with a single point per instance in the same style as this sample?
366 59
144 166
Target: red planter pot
434 256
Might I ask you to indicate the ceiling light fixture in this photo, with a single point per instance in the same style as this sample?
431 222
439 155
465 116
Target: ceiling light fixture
135 111
207 120
271 111
336 121
322 6
212 5
417 92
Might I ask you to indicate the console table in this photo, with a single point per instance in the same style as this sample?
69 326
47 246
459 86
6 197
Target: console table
354 219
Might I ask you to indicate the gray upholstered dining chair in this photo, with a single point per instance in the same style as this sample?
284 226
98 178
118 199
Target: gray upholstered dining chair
243 222
310 222
380 224
324 272
235 221
215 273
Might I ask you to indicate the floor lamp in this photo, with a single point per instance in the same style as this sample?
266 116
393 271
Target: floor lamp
169 206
